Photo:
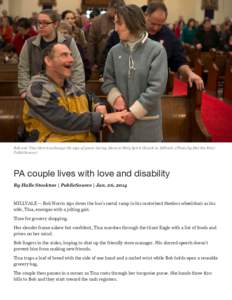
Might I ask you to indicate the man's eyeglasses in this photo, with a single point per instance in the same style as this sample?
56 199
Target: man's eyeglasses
44 23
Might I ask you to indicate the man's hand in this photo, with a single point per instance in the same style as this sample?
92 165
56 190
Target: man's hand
197 80
115 117
199 46
129 118
23 95
119 104
187 73
101 109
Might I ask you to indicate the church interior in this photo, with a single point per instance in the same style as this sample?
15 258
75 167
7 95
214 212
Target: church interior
189 114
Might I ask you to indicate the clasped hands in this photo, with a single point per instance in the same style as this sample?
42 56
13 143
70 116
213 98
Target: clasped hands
121 114
120 105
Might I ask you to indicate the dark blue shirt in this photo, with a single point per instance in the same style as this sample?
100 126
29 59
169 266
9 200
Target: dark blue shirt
174 49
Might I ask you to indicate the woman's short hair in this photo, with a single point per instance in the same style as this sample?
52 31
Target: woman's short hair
133 18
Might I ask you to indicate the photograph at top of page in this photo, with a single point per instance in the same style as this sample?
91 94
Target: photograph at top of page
116 71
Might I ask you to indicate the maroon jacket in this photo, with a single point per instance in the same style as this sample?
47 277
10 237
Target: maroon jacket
19 40
6 33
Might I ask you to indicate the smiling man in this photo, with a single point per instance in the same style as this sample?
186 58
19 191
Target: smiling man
30 61
55 110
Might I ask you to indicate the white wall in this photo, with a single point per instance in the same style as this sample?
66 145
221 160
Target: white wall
192 8
4 5
225 9
26 7
187 8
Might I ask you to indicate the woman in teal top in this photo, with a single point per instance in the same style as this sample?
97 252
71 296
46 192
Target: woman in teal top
189 32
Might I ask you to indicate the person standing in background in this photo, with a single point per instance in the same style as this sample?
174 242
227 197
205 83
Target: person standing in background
30 60
24 32
78 34
156 16
5 14
6 31
99 33
189 32
207 37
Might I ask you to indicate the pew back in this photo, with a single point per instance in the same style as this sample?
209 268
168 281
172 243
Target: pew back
8 80
8 72
10 118
178 119
228 79
8 88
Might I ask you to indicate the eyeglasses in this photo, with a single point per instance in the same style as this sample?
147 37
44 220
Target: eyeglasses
44 23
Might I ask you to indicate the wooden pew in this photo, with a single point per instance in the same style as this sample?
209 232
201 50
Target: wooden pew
8 80
8 88
10 118
191 54
170 82
216 73
8 72
179 119
228 79
199 131
202 62
94 85
1 57
177 115
179 123
94 75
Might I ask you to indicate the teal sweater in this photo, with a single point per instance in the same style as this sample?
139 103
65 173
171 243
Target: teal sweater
188 36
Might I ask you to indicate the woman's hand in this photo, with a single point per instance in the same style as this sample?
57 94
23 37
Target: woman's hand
119 104
129 118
